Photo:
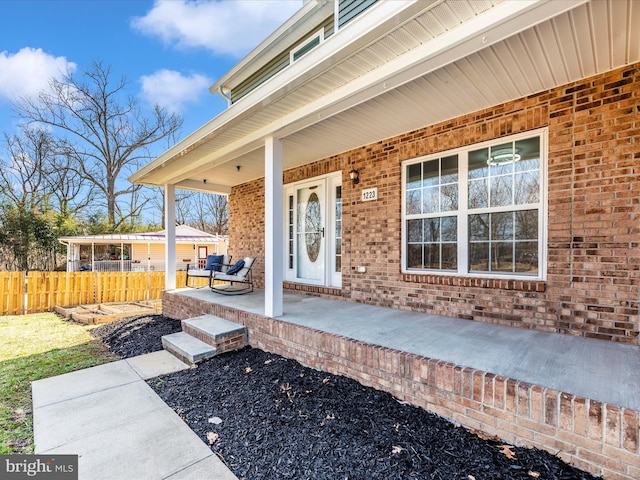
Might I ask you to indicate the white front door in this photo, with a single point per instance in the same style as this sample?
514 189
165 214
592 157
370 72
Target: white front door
310 232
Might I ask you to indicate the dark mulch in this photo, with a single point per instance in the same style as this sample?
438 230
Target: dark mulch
134 336
269 417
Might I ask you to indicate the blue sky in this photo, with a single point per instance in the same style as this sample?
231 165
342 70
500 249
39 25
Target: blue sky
169 51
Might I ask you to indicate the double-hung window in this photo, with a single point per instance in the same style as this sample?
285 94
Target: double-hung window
479 210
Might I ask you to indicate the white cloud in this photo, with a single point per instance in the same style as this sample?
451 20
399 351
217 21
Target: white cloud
28 72
231 27
171 89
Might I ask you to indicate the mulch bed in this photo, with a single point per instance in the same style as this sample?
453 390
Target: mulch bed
268 417
134 336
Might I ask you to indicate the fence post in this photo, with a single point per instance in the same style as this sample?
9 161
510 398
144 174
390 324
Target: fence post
25 293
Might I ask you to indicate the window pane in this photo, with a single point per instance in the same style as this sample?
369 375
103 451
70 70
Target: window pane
529 151
526 225
449 229
432 255
479 257
414 231
338 247
502 159
479 227
414 256
502 226
430 173
430 203
449 172
527 257
502 257
526 188
431 229
449 256
414 200
478 167
501 191
338 264
414 176
479 193
449 197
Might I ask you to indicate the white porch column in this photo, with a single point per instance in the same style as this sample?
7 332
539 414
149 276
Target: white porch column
273 228
170 238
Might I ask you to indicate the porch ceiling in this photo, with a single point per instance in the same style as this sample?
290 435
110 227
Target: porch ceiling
448 58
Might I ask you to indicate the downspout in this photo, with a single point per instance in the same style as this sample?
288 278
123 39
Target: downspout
226 94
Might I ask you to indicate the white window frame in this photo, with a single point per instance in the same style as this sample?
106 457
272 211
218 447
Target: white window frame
319 34
463 211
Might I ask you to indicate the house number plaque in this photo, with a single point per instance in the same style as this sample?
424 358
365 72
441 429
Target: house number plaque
370 194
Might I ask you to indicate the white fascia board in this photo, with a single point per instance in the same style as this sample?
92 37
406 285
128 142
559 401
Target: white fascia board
342 44
290 32
493 26
498 24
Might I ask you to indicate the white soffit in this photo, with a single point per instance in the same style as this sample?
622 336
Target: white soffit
593 37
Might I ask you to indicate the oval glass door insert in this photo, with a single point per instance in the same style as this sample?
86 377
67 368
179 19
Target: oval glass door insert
313 226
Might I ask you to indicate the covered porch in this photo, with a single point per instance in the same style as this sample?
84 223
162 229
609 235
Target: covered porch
576 397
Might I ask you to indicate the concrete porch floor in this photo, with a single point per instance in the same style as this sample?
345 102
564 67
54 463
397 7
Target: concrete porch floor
604 371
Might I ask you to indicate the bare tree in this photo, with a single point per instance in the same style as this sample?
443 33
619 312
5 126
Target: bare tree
28 222
104 133
218 208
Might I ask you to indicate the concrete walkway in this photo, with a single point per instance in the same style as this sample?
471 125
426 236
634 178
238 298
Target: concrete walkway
118 426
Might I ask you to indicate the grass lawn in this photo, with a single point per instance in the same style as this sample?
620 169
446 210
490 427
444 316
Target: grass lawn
33 347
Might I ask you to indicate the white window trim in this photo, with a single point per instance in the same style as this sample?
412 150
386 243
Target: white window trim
304 43
463 214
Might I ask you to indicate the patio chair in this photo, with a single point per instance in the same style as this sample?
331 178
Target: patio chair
215 263
236 280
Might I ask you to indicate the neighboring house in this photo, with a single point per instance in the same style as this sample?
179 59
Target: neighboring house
140 252
476 159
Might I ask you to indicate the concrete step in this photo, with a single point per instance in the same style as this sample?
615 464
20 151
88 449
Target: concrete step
187 348
221 334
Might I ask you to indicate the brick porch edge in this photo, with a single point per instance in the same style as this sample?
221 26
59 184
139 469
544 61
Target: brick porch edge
595 437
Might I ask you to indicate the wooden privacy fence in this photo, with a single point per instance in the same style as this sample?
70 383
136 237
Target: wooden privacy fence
40 291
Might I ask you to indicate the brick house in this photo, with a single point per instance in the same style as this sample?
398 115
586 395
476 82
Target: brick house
471 159
495 146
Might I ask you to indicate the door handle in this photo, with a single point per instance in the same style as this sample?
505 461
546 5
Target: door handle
322 232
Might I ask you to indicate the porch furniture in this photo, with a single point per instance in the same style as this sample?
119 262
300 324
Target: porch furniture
215 263
236 280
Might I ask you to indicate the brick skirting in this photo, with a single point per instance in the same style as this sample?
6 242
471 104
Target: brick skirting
593 436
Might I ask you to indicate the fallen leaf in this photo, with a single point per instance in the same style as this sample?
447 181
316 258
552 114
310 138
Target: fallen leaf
267 362
248 370
533 474
326 381
212 437
507 452
471 477
396 449
215 420
481 435
331 416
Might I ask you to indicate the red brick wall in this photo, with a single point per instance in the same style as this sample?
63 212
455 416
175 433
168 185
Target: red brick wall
593 259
